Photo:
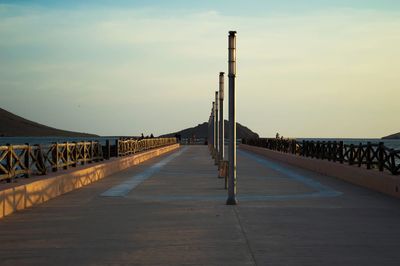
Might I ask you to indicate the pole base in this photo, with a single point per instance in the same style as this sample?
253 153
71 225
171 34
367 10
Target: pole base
231 201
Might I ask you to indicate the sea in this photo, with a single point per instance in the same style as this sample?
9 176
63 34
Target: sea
389 143
49 140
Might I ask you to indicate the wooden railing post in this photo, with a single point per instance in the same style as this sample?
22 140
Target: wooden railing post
76 154
381 159
108 150
359 154
27 161
351 155
66 154
91 151
54 156
293 147
334 151
368 155
40 160
329 151
99 156
10 163
316 150
341 152
84 153
117 148
393 168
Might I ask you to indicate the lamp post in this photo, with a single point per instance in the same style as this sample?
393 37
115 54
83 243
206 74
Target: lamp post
209 133
212 129
216 130
221 116
232 119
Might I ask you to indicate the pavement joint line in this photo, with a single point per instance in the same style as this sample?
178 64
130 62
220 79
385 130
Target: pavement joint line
123 189
245 236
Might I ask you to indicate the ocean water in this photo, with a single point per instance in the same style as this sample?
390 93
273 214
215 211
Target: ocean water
49 140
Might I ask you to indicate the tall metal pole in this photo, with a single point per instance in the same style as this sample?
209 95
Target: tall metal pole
216 130
221 116
209 133
232 119
212 129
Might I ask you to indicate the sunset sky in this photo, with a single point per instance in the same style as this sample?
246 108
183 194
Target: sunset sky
305 68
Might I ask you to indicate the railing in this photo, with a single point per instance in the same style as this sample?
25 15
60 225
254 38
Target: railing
16 160
372 156
132 146
193 141
26 160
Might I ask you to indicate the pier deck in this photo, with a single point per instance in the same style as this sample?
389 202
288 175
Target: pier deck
170 211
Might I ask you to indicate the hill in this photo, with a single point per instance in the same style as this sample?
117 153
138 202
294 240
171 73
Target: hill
12 125
393 136
201 131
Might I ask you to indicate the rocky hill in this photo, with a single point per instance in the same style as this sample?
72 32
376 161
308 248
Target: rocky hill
201 131
393 136
12 125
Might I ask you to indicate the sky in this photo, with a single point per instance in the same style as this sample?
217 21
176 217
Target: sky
304 68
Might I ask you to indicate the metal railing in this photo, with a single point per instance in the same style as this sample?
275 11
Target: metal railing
25 160
370 155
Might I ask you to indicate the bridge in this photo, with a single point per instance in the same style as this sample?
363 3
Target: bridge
156 202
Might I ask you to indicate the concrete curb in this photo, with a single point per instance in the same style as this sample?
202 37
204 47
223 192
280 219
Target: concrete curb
378 181
39 191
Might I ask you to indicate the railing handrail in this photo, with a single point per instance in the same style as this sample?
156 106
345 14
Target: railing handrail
25 159
132 146
371 155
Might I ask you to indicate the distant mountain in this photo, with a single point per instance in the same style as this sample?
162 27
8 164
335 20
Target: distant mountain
201 131
393 136
12 125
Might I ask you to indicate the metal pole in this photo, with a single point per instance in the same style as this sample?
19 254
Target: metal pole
221 116
216 130
232 119
212 128
209 132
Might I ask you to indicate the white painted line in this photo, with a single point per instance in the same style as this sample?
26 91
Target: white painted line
125 187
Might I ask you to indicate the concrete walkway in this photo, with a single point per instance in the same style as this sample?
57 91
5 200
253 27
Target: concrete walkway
171 211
